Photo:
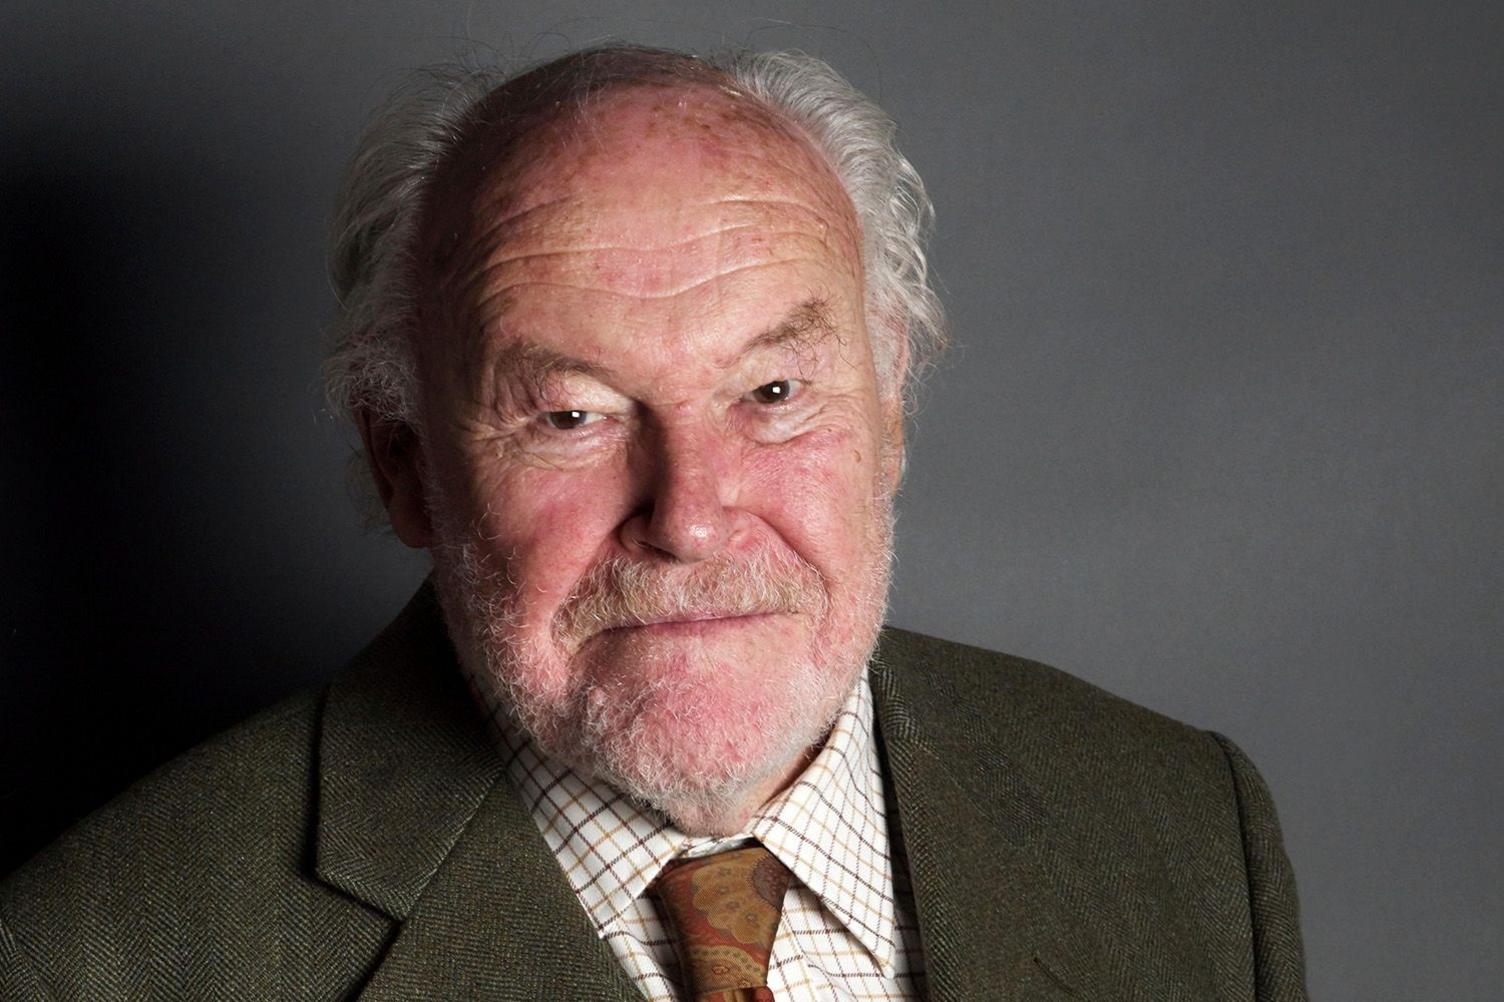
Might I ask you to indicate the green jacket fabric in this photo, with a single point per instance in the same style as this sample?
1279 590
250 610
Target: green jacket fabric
362 842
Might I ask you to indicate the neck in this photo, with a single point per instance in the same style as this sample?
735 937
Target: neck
722 819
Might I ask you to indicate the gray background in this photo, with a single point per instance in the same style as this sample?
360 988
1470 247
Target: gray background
1222 432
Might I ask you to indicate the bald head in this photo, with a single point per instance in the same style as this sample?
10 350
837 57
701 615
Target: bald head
516 121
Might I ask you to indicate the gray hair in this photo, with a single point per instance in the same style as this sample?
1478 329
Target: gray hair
369 360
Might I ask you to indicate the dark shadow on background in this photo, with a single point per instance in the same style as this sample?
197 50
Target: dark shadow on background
121 632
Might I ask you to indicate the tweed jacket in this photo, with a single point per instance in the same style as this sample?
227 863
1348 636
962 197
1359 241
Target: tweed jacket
361 842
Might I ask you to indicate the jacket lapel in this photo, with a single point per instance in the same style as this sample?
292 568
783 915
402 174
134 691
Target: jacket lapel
498 921
993 922
417 821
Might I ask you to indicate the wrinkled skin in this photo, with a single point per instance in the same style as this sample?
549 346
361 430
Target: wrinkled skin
653 355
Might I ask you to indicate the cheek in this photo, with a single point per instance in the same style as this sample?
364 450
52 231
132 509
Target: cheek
549 527
816 492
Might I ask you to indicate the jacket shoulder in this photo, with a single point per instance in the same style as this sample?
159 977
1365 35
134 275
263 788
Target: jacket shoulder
196 867
1165 830
1040 712
235 788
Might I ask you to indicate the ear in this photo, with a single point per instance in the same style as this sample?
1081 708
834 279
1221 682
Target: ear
395 455
893 457
890 393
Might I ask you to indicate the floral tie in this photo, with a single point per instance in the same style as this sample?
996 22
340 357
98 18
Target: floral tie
725 909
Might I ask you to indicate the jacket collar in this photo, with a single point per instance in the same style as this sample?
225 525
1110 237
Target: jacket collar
975 825
403 763
416 821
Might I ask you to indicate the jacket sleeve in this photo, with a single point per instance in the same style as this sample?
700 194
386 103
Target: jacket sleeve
19 980
1278 956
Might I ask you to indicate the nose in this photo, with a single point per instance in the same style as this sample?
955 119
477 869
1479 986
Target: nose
684 513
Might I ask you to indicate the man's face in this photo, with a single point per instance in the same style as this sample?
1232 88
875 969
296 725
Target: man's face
654 453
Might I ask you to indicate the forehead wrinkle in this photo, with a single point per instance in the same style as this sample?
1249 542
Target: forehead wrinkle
803 330
500 202
495 263
484 303
782 203
494 250
748 213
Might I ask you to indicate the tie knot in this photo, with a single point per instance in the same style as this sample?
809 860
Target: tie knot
725 909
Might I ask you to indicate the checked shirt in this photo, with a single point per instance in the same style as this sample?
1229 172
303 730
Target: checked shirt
848 930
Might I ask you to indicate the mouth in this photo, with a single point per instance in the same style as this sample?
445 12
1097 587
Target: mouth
694 623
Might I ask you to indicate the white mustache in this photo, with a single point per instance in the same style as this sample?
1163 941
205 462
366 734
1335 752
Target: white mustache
620 592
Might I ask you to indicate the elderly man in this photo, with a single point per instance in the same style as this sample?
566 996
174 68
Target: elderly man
628 340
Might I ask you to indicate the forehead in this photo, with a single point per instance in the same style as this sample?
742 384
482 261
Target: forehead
652 193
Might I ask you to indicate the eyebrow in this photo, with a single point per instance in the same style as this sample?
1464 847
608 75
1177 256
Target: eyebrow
534 365
804 329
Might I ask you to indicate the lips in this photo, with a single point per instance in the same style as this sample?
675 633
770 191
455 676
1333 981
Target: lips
692 621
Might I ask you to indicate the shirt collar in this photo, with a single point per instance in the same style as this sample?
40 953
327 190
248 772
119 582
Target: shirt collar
829 827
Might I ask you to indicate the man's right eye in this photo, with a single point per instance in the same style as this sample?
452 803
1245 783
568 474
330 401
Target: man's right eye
570 420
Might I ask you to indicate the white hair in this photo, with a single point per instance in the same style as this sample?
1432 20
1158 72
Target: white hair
369 360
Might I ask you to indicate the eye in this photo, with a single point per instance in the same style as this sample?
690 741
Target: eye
779 391
570 420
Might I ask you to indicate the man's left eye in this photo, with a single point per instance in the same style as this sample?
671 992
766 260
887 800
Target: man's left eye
777 392
570 420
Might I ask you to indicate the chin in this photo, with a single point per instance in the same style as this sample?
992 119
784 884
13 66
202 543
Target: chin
698 742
